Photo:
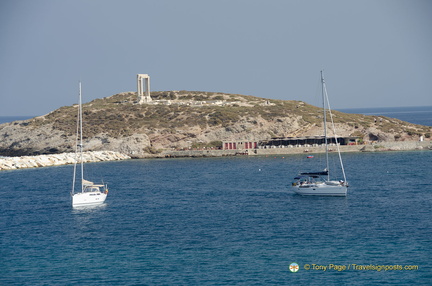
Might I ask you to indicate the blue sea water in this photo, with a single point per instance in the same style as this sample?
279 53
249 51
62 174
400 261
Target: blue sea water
5 119
219 221
418 115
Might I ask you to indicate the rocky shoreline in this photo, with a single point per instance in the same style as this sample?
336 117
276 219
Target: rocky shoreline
13 163
375 147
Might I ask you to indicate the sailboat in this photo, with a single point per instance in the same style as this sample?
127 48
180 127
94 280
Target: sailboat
320 183
88 194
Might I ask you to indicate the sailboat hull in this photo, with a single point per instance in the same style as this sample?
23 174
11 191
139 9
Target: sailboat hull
321 190
88 199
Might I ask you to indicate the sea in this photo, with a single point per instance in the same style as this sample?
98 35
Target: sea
5 119
220 221
414 114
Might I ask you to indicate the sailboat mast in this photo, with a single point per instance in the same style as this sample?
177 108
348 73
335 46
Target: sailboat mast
325 124
81 138
334 132
77 142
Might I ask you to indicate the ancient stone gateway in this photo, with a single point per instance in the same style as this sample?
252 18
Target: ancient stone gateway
143 96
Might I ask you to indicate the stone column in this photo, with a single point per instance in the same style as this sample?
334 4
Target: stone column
143 96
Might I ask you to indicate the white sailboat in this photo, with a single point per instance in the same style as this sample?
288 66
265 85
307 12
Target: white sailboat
88 194
319 183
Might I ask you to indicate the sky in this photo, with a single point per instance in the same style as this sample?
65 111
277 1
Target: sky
374 53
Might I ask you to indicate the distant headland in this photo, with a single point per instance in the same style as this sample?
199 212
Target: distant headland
173 123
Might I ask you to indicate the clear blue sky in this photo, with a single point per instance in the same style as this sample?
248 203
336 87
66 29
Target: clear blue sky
375 53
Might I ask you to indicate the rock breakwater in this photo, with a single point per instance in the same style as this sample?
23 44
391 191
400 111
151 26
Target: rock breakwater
11 163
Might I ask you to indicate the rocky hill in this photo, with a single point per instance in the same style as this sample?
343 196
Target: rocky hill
184 119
